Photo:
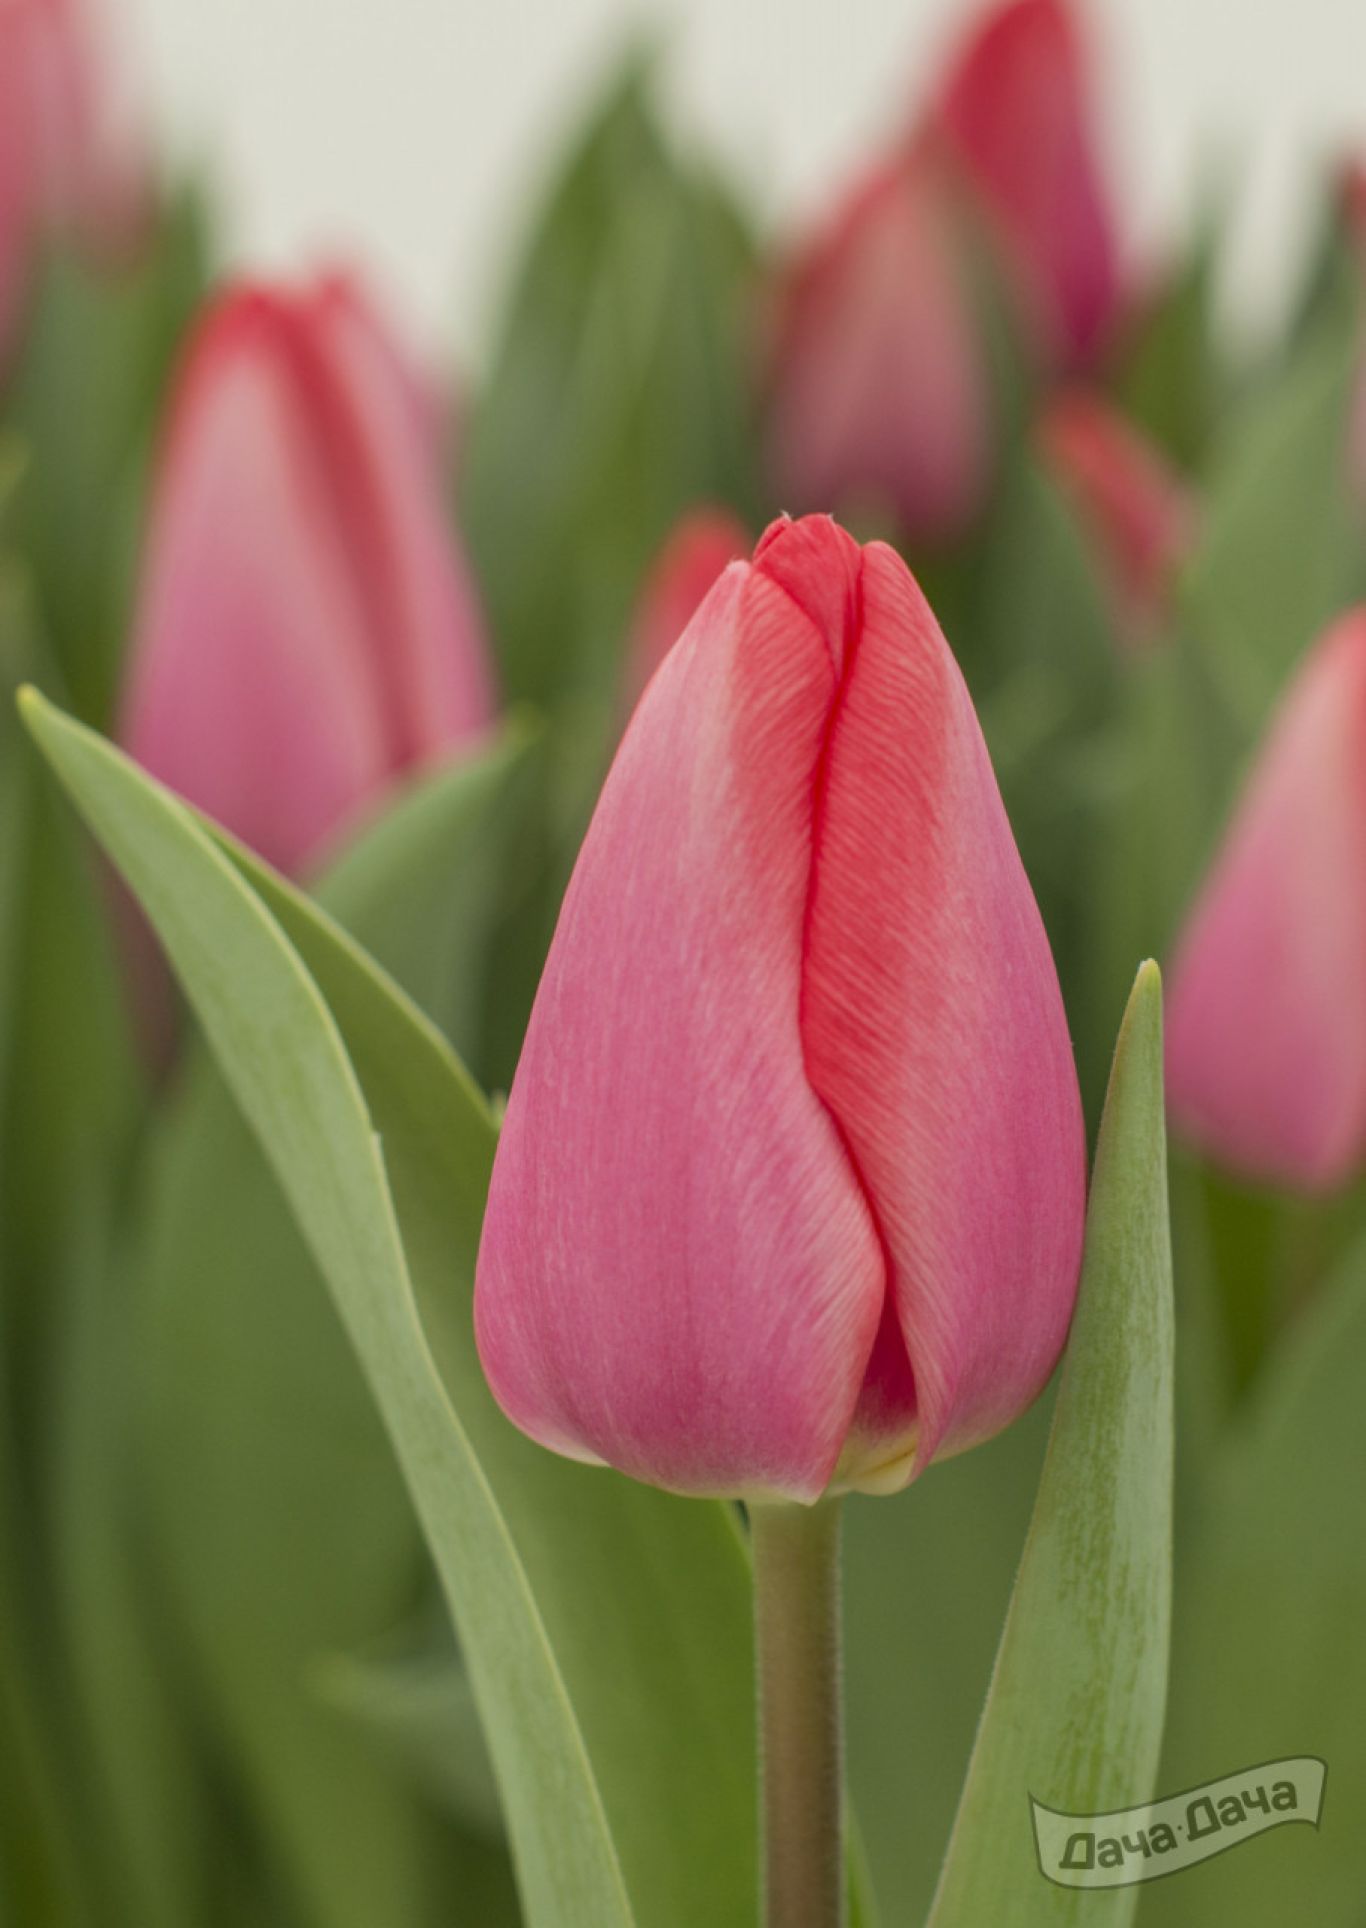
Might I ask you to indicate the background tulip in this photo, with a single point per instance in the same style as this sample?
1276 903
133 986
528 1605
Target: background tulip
1136 510
307 629
686 568
69 153
1016 112
790 1190
1267 1031
880 393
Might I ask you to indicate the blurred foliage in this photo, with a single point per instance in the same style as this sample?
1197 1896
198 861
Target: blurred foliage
227 1691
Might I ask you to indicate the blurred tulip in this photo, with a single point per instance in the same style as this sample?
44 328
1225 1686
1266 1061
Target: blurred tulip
791 1186
1016 112
880 389
307 629
1267 1026
685 569
70 155
1135 509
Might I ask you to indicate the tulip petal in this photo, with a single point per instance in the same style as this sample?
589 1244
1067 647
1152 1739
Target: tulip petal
679 1273
441 694
934 1030
880 390
1266 1043
1016 111
251 689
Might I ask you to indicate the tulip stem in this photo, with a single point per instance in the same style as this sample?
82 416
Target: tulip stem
801 1742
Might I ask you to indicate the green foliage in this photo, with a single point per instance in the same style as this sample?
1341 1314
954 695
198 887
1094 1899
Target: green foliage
383 1148
1063 1721
620 395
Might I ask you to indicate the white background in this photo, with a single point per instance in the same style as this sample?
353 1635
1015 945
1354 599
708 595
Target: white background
407 133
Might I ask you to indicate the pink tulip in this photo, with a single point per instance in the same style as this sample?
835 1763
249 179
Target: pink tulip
790 1191
1135 509
1016 111
70 156
307 628
1266 1038
880 392
687 566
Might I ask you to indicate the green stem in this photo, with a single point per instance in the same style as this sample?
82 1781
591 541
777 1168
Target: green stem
797 1630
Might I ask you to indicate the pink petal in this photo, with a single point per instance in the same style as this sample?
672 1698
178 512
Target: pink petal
795 1144
307 631
1137 511
880 392
1266 1034
934 1031
252 689
1016 109
678 1272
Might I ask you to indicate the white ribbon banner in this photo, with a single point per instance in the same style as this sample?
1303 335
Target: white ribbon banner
1138 1844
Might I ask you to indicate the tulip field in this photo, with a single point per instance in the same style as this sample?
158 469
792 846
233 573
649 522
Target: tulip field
682 1042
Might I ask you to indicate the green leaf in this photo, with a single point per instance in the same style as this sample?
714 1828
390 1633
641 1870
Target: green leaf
1074 1715
1269 1659
606 1626
619 395
419 1705
84 400
928 1575
310 1544
1282 550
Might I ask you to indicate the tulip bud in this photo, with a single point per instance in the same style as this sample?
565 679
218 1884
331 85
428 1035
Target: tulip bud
880 388
790 1191
69 155
1136 511
307 629
1016 112
1266 1038
685 569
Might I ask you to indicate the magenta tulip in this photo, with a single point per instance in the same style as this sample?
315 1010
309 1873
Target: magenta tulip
685 569
307 629
789 1197
1016 111
70 155
880 395
1266 1036
1137 514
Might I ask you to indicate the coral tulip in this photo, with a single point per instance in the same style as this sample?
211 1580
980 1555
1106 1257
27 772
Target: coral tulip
789 1197
1266 1039
689 563
1016 112
1137 512
880 391
307 629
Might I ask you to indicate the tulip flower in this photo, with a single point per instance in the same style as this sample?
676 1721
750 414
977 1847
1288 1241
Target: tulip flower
1137 513
1266 1037
1015 110
687 566
69 155
307 628
789 1195
880 393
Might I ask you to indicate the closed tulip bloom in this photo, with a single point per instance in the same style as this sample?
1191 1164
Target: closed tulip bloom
686 568
1016 111
1266 1035
789 1196
307 630
1136 511
71 157
880 395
